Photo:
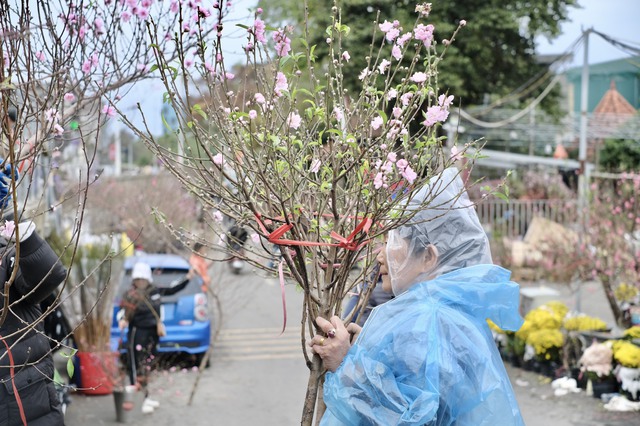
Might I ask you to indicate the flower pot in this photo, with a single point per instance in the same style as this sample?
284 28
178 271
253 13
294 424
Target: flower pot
549 369
603 386
128 402
629 379
581 377
528 365
515 360
96 372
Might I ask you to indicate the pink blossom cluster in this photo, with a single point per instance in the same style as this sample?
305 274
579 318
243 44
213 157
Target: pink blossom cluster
53 117
281 84
387 167
259 31
315 165
391 29
612 219
294 120
109 110
438 113
89 64
218 159
78 24
424 33
392 32
395 126
137 8
283 43
423 9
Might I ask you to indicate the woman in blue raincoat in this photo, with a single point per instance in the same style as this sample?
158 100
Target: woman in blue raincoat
427 357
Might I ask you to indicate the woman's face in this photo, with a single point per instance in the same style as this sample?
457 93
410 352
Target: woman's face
389 258
399 268
384 271
140 283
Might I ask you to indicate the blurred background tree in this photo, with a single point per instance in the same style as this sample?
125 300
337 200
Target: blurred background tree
495 58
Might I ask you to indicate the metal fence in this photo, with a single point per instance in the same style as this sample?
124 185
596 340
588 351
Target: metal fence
512 218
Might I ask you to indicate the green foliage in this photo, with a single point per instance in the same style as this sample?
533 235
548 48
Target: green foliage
70 365
620 155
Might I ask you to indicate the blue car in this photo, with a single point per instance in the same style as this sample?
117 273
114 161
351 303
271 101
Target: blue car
184 314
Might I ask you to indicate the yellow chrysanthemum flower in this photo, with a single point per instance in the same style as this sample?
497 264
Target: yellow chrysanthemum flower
584 322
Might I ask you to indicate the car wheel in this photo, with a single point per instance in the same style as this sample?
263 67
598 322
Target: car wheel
197 360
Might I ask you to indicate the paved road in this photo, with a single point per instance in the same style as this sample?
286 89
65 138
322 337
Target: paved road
258 376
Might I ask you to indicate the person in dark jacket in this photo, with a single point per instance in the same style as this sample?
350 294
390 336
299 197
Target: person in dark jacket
141 306
377 297
28 276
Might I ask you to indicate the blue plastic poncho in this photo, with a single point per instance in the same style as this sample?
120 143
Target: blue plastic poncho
428 357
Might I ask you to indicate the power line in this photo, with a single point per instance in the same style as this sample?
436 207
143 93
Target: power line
515 117
619 44
535 81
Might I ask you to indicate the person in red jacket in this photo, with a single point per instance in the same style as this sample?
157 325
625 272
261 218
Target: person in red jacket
200 265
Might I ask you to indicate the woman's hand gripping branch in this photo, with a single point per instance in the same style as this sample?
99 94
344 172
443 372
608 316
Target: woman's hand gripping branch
334 344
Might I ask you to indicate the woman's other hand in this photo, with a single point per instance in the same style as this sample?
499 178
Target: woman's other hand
354 330
333 346
122 324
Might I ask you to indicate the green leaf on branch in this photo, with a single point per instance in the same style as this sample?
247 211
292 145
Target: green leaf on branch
7 85
275 140
174 72
69 356
197 109
70 367
166 124
325 187
343 29
502 196
158 216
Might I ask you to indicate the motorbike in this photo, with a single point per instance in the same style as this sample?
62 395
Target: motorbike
236 238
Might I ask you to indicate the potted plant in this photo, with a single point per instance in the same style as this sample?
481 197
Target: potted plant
88 304
627 356
542 337
596 363
547 345
573 326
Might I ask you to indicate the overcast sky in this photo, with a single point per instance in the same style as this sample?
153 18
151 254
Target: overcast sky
616 18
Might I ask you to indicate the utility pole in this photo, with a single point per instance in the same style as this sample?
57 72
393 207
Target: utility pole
582 151
532 133
117 155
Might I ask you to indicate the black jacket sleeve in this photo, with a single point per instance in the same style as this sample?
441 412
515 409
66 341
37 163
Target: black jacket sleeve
175 287
39 271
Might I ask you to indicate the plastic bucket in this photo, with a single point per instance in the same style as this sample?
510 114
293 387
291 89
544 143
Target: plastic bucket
97 371
128 403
